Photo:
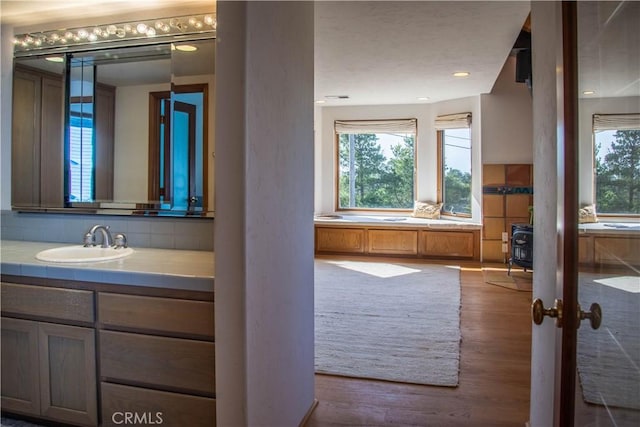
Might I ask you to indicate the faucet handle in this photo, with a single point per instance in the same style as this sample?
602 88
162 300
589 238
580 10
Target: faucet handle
120 241
89 240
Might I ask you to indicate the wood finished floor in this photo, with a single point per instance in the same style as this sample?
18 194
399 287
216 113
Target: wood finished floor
494 372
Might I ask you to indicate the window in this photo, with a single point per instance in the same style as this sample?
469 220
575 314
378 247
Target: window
454 164
376 164
617 163
81 153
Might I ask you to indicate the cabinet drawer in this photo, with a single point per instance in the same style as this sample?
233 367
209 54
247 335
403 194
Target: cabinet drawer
447 244
169 363
159 407
42 301
156 314
403 242
340 240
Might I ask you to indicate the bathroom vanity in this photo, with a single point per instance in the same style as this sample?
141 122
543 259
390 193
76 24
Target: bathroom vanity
98 343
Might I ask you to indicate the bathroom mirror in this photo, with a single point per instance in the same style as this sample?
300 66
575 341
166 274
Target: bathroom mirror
136 137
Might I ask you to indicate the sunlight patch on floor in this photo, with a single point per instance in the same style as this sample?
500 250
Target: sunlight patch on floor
378 269
625 283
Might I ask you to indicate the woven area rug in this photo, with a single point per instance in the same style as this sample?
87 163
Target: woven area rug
609 358
388 321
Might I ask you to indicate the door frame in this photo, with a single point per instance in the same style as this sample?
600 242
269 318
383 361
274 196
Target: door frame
155 98
568 219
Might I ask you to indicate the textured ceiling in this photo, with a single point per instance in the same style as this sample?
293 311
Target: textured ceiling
395 52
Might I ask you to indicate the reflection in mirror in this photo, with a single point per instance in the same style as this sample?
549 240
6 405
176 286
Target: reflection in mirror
79 167
109 159
607 391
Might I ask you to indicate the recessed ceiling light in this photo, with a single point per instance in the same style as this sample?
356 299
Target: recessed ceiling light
423 98
588 92
461 74
55 58
186 48
320 101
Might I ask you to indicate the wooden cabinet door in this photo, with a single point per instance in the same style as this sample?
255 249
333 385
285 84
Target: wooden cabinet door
104 140
68 373
349 240
20 370
25 136
52 143
402 242
155 407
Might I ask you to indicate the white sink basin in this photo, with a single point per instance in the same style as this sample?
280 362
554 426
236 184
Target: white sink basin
81 254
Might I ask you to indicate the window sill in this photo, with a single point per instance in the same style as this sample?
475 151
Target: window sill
610 227
396 221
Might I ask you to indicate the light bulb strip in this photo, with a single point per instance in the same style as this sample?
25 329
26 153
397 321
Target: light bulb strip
141 32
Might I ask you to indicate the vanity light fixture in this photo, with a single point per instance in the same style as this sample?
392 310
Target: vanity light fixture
54 58
588 92
186 48
461 74
152 31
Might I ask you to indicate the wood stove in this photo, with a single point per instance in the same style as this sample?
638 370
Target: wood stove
521 246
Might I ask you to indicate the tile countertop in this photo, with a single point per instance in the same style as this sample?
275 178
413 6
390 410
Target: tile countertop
160 268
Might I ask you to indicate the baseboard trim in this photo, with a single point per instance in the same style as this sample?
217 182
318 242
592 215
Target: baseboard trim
312 408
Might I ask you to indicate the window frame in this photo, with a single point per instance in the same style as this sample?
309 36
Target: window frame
336 154
440 170
594 175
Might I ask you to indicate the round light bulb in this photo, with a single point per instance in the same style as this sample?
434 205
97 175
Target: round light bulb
141 28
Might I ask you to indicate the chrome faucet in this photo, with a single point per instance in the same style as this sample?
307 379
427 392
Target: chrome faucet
90 237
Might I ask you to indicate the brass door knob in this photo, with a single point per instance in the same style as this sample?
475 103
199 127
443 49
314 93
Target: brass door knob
538 311
594 315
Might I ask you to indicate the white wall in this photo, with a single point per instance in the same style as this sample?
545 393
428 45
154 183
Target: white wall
264 216
6 89
426 145
131 145
507 120
586 109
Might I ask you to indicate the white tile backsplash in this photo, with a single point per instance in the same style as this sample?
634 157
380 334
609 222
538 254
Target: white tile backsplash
163 233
